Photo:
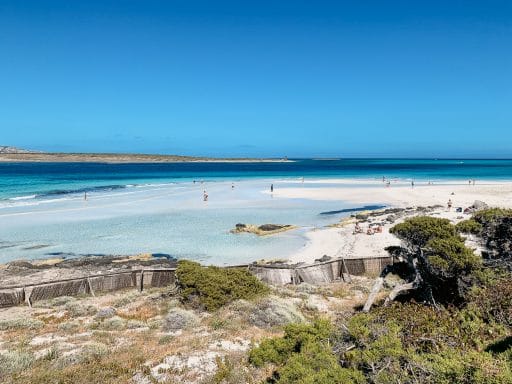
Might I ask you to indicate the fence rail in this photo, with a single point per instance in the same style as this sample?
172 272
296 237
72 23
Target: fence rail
317 273
140 279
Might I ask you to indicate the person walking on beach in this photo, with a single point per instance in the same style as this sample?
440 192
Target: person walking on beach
232 185
412 183
85 195
271 188
449 204
205 196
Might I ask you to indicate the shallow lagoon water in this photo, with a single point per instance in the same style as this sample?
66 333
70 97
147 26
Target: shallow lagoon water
166 218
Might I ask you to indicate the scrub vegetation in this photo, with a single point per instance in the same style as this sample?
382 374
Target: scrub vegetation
223 326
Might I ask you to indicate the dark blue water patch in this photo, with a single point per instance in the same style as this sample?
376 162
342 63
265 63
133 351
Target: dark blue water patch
347 210
66 255
100 188
72 255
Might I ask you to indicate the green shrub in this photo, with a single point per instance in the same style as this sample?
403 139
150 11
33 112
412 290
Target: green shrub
497 234
436 251
469 226
412 343
425 329
451 255
491 214
212 287
468 367
493 302
418 231
315 364
303 355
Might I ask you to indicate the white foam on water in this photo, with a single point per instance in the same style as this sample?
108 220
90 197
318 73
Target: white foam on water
23 197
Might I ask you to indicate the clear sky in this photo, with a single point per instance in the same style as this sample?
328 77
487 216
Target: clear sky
258 78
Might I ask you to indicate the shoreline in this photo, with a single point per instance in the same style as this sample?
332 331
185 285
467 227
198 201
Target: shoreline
337 240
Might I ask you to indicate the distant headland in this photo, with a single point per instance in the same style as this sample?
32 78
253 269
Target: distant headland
13 154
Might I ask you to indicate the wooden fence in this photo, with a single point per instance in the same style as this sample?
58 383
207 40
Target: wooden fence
322 272
140 279
281 274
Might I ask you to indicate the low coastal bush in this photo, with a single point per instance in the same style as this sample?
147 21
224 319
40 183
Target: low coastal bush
493 302
14 361
469 226
492 214
418 231
437 258
178 318
78 310
21 323
303 355
408 343
273 312
496 234
417 343
115 323
212 287
452 256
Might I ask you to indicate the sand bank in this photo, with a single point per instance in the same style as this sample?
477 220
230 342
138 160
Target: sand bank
341 242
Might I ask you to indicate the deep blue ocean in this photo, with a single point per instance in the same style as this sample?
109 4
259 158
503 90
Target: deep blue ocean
24 180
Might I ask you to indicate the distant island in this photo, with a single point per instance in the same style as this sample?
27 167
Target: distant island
13 154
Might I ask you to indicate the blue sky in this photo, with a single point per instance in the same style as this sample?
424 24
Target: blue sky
258 78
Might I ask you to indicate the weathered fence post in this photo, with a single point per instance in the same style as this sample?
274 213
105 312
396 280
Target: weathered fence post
141 288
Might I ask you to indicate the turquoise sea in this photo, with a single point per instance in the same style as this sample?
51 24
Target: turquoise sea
159 208
22 180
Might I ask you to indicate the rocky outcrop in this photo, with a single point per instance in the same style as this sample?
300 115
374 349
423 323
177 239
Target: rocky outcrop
390 215
262 230
478 205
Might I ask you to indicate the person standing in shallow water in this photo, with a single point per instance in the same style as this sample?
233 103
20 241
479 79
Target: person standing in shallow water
271 188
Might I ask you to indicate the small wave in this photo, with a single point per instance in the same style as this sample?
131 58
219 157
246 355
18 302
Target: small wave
17 198
56 195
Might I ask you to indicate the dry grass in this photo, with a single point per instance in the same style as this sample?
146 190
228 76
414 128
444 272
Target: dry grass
140 313
113 350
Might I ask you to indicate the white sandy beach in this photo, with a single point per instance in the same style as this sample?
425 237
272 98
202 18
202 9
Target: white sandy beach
340 242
